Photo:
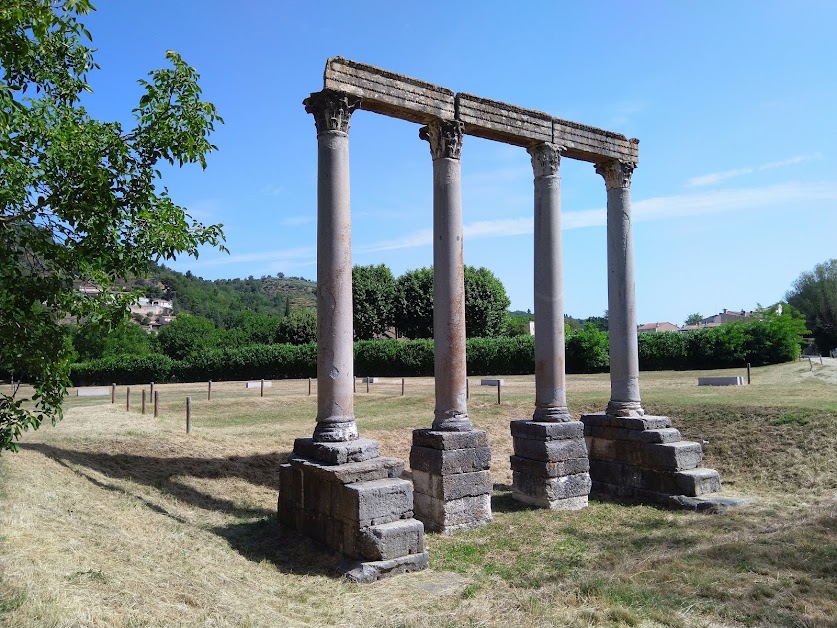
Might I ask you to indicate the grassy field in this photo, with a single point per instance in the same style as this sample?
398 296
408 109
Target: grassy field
118 519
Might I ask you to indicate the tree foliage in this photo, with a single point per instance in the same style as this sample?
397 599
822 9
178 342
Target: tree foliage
814 293
92 342
79 200
693 319
298 328
373 296
414 303
187 335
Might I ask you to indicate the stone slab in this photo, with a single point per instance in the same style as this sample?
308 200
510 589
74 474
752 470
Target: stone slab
369 380
373 502
337 453
437 439
92 392
450 516
692 482
370 571
502 122
720 381
539 468
267 384
663 435
454 486
550 489
549 451
374 469
708 504
571 503
545 431
665 456
492 382
389 93
446 462
391 540
647 422
591 144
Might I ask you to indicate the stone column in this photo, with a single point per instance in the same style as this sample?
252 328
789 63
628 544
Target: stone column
550 464
550 378
621 292
450 462
335 359
450 371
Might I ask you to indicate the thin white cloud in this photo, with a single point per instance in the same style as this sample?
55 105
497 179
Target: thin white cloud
716 177
297 220
272 190
296 256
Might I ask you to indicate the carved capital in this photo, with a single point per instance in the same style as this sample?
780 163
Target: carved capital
445 138
617 174
331 110
546 159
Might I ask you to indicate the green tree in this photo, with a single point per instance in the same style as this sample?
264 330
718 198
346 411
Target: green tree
78 196
298 328
516 326
93 341
414 303
373 296
814 293
693 319
251 328
486 303
187 335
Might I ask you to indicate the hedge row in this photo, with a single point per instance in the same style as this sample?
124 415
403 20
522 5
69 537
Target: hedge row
586 352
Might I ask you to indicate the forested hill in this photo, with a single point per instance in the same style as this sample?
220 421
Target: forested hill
221 300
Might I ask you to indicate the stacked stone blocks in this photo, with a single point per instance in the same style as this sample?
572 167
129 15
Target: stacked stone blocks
645 458
352 500
451 479
550 465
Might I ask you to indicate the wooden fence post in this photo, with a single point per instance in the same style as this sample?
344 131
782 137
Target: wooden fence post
309 386
156 402
128 399
143 401
261 392
188 415
402 386
113 393
748 373
467 389
498 392
209 390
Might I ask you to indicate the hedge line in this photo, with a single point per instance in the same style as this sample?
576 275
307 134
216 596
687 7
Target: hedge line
761 342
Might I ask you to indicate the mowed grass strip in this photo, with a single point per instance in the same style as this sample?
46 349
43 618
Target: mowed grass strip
118 519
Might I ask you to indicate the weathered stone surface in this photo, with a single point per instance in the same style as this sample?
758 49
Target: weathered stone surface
663 435
450 516
436 439
591 144
549 451
337 453
450 461
721 381
454 486
711 503
666 456
391 540
546 431
373 502
374 469
370 571
551 489
691 482
503 122
290 484
539 468
570 503
646 422
389 93
696 482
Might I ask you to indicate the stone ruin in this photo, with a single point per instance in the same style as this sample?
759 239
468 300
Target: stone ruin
336 487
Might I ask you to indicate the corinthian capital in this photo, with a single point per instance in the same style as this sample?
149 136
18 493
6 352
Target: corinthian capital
445 138
546 159
617 174
331 110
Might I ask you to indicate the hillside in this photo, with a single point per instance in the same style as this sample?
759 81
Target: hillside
221 300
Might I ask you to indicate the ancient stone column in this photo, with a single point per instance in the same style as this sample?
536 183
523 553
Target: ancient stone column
450 462
550 378
550 464
621 292
335 358
451 412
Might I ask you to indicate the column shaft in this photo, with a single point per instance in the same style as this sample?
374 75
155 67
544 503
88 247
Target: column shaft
621 292
550 377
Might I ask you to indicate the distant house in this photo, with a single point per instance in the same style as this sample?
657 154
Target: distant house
699 326
728 316
656 328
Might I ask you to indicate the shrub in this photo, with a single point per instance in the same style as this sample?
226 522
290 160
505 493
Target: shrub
123 369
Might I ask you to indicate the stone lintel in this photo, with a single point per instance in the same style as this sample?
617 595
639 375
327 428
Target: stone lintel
589 143
375 469
340 452
438 439
647 422
502 122
389 93
539 430
539 468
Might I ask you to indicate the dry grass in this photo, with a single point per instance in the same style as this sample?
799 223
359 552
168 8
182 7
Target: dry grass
119 519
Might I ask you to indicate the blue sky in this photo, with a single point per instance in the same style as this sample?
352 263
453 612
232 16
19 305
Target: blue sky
734 103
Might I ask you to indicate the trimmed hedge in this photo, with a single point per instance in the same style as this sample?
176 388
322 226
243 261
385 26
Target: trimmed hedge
758 342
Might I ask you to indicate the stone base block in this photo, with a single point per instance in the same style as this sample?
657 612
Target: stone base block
664 456
361 509
336 453
570 503
457 514
451 479
370 571
647 422
550 450
547 431
692 482
551 489
542 469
